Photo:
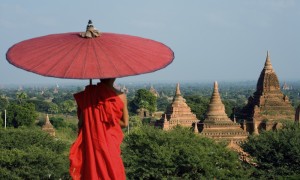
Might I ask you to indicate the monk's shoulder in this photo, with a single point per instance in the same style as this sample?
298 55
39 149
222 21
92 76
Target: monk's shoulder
118 92
122 96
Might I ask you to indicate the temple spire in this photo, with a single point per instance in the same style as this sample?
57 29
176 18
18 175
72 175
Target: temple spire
47 120
177 90
215 98
268 65
216 109
47 127
216 87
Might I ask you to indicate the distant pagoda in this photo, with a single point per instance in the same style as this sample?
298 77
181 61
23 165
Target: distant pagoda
177 113
153 91
268 105
286 87
217 125
47 127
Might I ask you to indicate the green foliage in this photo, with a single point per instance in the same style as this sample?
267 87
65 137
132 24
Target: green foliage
277 152
20 115
135 122
31 154
41 105
198 105
3 103
53 108
150 153
229 105
162 103
143 99
58 122
60 98
67 107
21 97
1 120
68 134
48 95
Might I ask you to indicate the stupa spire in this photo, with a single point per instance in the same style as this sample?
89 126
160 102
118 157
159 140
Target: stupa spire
47 120
216 88
177 89
48 127
215 98
216 109
268 65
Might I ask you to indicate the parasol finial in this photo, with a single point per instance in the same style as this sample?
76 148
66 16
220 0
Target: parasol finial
90 32
90 22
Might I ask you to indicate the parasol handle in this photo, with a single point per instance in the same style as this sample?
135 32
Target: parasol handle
91 82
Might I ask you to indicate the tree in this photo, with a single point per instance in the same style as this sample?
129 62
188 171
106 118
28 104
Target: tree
198 105
58 122
67 107
40 105
151 153
60 98
277 153
143 99
135 122
20 115
48 95
21 97
32 154
53 108
3 103
162 103
229 105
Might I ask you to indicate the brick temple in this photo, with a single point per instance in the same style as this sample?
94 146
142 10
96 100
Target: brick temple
265 110
177 113
217 125
268 105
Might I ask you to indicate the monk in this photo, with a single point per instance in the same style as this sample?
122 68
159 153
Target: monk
102 112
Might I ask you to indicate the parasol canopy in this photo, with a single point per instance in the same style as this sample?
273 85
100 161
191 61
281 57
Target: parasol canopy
89 55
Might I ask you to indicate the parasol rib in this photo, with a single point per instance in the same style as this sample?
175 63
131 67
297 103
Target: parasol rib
105 51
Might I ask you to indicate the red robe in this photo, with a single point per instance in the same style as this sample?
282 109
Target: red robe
96 152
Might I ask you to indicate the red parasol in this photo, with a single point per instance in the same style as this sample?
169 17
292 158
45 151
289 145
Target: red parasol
90 55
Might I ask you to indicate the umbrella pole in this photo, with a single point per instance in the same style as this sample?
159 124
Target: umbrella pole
91 82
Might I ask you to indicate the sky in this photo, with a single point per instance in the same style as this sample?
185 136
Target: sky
213 40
